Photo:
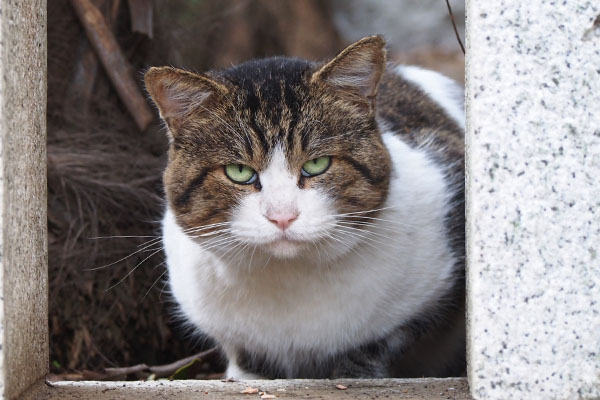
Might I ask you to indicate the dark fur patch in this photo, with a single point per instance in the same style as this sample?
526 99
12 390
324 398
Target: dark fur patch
364 171
184 198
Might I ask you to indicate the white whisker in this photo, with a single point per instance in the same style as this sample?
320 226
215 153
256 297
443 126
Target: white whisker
364 231
367 238
369 224
220 244
251 256
133 269
363 212
123 236
382 220
155 282
122 259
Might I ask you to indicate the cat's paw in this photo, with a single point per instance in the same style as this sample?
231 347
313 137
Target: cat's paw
235 372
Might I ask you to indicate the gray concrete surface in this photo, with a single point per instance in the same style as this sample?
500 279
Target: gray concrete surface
23 243
533 83
407 389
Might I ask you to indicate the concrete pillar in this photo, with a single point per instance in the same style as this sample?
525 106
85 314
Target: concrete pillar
23 239
533 84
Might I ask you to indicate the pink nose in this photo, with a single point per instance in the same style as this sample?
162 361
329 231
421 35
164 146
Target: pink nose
283 219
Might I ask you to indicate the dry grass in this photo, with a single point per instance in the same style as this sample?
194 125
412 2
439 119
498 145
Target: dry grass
103 180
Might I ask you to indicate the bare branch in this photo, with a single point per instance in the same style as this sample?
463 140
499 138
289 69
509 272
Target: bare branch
454 26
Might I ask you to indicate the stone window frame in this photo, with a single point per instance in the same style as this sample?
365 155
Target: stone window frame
533 160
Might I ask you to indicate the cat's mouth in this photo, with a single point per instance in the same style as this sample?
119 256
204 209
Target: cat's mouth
285 247
286 241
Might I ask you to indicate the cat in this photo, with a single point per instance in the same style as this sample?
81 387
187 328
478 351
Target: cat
315 217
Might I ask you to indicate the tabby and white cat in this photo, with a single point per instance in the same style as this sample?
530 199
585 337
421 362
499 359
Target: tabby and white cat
315 218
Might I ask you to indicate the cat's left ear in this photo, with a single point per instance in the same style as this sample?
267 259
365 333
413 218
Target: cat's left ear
357 70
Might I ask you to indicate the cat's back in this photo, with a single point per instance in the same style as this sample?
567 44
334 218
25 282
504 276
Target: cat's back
424 108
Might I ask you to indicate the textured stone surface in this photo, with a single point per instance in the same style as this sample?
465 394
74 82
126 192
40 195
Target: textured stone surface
23 247
533 79
407 389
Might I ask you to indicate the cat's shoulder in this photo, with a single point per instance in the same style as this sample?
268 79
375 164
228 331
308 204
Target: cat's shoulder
444 91
424 109
414 97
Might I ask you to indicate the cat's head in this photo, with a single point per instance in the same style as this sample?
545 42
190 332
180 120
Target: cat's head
276 153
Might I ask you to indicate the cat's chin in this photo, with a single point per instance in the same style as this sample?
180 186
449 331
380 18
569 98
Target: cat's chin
284 248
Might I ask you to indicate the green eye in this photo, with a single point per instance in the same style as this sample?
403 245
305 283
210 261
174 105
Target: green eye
240 173
316 166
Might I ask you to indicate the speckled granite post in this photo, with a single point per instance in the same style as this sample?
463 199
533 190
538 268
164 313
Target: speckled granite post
23 243
533 78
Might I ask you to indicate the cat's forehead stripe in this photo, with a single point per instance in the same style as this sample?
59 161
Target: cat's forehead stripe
259 133
271 93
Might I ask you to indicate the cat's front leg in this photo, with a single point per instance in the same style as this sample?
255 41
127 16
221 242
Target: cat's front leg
235 372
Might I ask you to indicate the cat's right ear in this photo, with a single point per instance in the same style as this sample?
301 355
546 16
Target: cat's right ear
357 70
179 94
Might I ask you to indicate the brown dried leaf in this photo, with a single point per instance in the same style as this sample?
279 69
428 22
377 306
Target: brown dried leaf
249 390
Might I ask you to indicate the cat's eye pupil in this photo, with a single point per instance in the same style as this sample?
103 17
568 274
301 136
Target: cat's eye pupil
316 166
240 173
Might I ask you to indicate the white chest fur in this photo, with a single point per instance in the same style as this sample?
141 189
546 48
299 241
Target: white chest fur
283 307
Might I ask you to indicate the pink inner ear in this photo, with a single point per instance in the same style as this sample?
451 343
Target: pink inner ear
363 76
177 92
176 97
177 101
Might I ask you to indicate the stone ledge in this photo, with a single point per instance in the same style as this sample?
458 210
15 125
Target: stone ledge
409 389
